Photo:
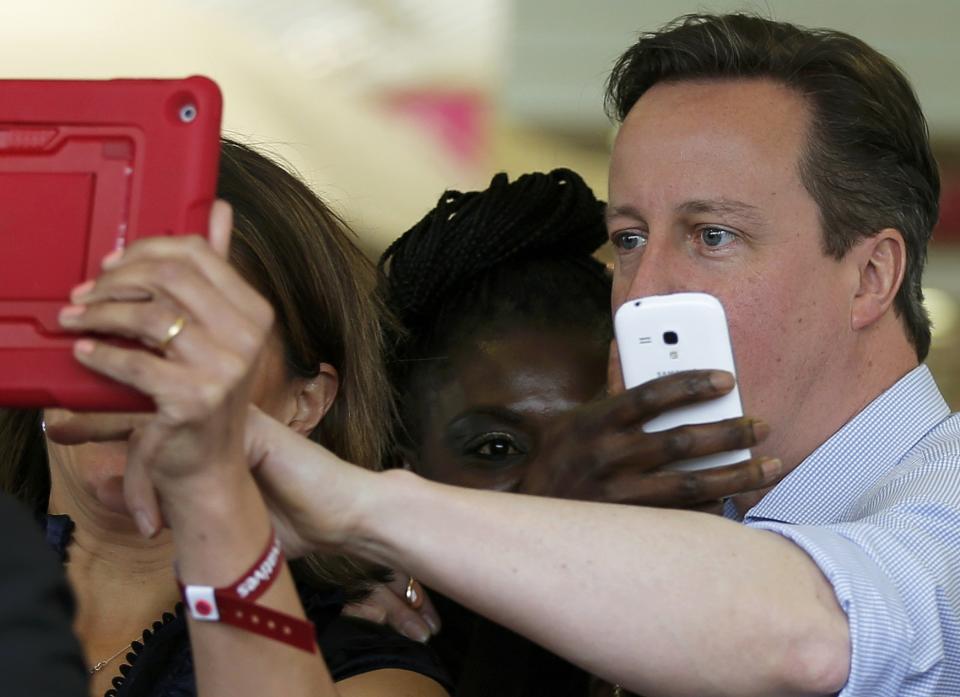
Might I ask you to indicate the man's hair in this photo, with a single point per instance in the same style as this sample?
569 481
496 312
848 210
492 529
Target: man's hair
485 263
867 161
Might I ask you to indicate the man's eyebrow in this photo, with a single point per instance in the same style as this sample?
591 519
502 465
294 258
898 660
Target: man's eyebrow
723 206
625 210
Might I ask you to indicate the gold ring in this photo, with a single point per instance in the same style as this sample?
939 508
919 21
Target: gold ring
173 331
411 595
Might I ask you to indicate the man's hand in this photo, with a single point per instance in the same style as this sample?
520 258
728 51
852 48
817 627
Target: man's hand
600 452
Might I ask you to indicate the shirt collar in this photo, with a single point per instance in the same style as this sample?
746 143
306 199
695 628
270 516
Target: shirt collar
824 487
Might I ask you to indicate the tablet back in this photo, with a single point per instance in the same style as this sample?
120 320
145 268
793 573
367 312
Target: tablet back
87 167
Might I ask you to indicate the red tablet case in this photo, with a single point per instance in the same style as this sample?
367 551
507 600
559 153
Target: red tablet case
86 167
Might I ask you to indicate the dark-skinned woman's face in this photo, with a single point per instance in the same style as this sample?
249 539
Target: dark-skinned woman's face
482 424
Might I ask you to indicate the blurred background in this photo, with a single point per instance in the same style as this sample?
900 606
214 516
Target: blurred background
382 104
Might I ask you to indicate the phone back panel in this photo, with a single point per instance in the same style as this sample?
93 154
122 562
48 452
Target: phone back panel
665 334
86 167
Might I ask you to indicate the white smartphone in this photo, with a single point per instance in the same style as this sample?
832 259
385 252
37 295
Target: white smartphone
665 334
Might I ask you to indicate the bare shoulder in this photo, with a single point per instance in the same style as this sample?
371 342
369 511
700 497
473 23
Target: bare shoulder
390 683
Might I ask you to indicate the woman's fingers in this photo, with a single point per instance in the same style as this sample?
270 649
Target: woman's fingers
138 369
181 394
220 227
645 402
647 451
73 428
178 286
166 255
148 322
614 371
385 607
138 490
369 609
686 489
421 599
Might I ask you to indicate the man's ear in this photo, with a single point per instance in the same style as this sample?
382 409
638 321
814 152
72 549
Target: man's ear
314 397
882 261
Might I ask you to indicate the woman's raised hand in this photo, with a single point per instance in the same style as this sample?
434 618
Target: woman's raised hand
600 452
207 328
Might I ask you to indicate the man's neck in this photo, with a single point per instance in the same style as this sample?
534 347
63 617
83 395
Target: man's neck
832 401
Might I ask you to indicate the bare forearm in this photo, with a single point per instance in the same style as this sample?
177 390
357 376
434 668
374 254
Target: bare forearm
217 536
667 602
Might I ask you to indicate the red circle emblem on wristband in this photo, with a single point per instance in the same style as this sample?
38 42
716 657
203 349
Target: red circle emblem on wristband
235 604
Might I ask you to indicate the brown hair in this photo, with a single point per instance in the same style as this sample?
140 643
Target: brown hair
298 254
867 163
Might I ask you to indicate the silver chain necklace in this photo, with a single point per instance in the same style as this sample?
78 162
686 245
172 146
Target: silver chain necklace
100 665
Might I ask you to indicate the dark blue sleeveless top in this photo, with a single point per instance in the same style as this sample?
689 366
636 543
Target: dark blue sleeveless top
160 663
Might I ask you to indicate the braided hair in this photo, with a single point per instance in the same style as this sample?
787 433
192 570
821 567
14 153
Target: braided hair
518 254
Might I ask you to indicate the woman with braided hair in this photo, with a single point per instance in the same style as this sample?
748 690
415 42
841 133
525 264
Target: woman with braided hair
505 323
505 320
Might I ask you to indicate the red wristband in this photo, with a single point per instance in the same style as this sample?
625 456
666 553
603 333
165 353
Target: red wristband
234 604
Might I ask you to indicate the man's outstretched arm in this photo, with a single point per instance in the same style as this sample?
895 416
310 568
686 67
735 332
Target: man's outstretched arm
666 602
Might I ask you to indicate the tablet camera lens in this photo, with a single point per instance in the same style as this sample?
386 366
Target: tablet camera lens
188 112
670 338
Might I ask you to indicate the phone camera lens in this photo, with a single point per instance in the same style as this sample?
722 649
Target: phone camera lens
670 338
188 112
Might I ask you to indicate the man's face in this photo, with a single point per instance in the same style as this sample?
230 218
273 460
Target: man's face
705 195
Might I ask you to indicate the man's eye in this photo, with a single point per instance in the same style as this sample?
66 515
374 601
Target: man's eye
628 241
716 237
493 446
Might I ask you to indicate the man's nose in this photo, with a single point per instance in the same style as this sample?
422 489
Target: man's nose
657 273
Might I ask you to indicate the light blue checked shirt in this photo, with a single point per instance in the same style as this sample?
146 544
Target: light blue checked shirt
877 507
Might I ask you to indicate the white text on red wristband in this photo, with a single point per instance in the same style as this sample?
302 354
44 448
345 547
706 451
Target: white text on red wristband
234 604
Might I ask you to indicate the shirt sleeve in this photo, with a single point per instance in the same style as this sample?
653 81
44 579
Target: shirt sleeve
895 571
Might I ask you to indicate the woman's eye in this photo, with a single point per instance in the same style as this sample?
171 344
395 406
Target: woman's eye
716 237
497 448
627 241
494 447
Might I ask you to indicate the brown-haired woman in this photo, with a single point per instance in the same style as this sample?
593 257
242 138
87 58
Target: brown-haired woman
320 373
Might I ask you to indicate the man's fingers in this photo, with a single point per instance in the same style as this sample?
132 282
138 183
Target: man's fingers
644 402
685 489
